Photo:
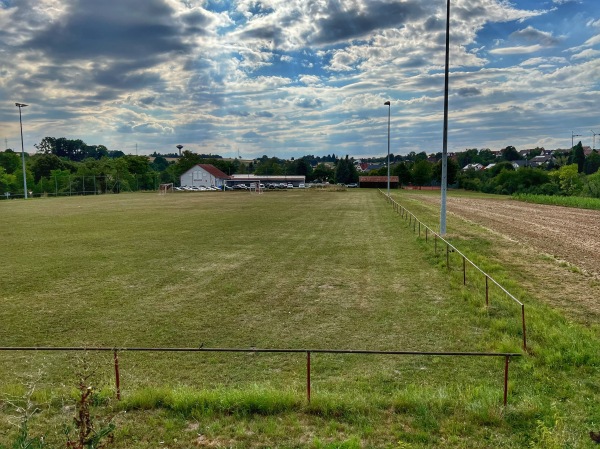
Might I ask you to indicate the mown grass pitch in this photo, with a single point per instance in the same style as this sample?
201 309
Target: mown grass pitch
298 269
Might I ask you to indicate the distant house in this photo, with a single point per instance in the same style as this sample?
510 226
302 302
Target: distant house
203 175
520 163
472 167
540 160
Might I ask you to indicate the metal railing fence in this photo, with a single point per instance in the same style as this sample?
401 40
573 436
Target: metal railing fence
415 223
506 355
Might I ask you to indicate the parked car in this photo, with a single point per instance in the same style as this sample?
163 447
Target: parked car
290 186
352 186
301 185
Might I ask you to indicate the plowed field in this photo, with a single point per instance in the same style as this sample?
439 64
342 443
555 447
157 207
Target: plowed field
567 233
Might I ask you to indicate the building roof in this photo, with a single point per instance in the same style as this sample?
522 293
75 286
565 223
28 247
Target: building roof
213 171
377 179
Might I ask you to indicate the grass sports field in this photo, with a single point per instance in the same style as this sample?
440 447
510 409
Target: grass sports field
298 269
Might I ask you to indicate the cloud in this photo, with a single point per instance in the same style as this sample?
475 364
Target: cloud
548 61
251 135
468 91
308 103
531 34
586 54
146 128
518 50
343 23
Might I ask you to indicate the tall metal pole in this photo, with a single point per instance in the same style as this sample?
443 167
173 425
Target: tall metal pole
21 105
389 105
445 137
594 139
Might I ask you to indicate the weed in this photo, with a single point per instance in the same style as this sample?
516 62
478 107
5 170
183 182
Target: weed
86 434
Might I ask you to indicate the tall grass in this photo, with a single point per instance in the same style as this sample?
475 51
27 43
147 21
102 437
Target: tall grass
566 201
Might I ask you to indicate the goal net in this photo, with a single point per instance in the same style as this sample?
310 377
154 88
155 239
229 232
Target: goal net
165 188
255 187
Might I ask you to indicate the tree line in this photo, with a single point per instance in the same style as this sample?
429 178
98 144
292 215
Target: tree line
63 166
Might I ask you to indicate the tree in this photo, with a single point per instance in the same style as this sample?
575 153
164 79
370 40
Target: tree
7 181
322 173
422 173
451 171
510 153
10 161
402 171
345 171
501 166
466 157
569 179
42 165
577 156
591 186
160 164
592 163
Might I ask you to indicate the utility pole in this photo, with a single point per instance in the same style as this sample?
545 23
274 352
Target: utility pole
444 186
21 105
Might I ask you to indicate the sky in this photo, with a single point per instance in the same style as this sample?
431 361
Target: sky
287 78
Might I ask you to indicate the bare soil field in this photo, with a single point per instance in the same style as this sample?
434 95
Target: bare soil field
571 236
566 233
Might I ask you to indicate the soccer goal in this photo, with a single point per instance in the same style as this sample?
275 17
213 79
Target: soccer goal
256 187
165 188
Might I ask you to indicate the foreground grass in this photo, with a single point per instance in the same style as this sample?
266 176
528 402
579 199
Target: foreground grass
293 269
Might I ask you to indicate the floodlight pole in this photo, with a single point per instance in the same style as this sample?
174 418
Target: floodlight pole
444 186
389 105
21 105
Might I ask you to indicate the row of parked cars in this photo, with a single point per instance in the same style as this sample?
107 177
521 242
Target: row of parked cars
197 189
271 186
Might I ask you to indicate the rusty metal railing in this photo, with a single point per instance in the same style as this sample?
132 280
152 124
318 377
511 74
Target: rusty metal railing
507 356
413 221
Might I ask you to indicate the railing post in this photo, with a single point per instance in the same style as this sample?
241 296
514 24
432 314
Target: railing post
419 229
447 257
308 376
524 331
435 244
117 376
487 291
506 360
464 271
426 229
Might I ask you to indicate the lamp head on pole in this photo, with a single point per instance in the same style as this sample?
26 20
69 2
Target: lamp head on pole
387 103
20 105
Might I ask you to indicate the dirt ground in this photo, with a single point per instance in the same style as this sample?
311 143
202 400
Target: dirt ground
568 234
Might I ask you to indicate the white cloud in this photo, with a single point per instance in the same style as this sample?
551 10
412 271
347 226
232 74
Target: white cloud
586 54
546 62
518 50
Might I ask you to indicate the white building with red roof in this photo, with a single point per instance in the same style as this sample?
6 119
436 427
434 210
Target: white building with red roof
203 175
